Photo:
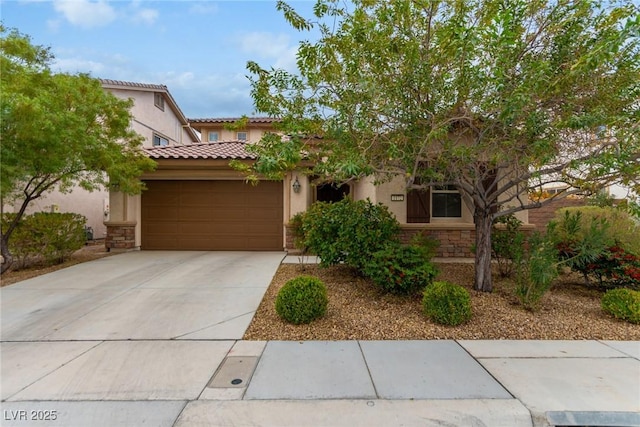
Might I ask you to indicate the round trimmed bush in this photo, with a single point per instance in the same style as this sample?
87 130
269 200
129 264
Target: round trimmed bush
403 270
622 304
302 300
446 303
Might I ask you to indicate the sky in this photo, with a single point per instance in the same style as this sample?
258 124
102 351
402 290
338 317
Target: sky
198 49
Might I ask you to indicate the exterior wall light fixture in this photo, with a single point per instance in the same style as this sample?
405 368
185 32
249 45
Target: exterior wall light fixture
296 185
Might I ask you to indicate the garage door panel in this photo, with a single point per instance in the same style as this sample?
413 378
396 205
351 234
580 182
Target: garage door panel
267 214
262 229
195 213
230 214
212 215
266 199
159 241
195 199
162 227
162 198
194 228
162 214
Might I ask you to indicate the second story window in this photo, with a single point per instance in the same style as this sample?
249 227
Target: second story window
213 137
159 141
241 136
158 100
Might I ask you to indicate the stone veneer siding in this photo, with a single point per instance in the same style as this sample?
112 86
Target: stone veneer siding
120 236
455 241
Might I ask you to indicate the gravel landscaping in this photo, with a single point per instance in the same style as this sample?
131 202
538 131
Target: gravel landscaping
357 310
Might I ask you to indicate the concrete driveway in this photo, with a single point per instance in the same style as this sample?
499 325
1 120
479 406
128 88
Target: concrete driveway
101 342
141 296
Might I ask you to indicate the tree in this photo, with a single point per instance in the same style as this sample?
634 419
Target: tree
495 98
58 131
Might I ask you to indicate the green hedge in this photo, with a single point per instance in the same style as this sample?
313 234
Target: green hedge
51 237
622 304
348 231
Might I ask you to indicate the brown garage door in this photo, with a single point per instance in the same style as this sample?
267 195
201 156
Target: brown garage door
212 215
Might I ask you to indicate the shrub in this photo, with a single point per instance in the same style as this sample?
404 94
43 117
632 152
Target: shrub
51 237
535 271
61 234
507 243
615 267
347 231
620 226
302 300
622 304
295 225
400 269
592 248
425 243
447 303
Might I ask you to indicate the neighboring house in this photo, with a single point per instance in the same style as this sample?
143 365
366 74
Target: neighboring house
217 129
156 117
195 201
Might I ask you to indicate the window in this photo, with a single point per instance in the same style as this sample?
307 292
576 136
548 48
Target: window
241 136
213 137
159 141
332 193
446 202
158 100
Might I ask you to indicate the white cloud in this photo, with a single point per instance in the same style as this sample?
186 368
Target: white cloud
75 65
212 95
140 14
203 8
85 13
268 46
99 65
146 16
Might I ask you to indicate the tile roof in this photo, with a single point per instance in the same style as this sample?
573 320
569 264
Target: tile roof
109 82
208 150
253 120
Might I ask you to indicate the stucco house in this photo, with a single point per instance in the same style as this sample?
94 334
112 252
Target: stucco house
195 201
157 117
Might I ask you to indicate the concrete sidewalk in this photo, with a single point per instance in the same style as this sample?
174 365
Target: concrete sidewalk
322 383
153 338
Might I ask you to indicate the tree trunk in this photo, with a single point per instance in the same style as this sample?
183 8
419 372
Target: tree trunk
483 220
7 258
5 234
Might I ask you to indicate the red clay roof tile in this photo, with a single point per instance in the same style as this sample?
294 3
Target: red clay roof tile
213 150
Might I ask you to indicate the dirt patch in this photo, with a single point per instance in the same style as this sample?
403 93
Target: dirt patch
359 311
87 253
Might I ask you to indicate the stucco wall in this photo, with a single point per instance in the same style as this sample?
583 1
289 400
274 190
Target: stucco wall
253 135
149 119
81 201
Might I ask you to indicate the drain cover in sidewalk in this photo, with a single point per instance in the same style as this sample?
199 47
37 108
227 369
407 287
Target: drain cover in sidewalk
235 372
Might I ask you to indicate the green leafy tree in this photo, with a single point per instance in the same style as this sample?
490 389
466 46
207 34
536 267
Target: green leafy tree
495 98
58 131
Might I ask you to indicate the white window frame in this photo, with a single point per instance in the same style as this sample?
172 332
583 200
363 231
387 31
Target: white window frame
213 133
246 136
446 189
158 100
161 140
